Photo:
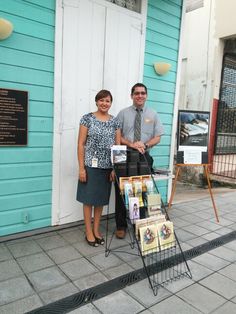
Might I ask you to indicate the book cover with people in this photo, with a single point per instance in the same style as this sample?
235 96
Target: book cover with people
138 191
165 231
149 239
134 209
148 221
122 182
128 191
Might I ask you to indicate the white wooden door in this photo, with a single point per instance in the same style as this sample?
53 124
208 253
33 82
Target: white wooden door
101 48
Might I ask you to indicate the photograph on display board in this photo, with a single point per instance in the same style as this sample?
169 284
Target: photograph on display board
193 130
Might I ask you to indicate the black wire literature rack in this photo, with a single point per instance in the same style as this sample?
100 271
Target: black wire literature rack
165 261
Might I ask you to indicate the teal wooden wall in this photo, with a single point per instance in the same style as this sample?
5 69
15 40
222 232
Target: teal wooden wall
27 63
162 44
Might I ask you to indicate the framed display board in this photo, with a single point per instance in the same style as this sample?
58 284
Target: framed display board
192 136
13 117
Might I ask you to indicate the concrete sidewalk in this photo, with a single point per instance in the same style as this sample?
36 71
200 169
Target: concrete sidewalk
41 269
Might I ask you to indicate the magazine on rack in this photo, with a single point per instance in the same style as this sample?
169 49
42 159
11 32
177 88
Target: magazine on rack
166 236
149 239
118 154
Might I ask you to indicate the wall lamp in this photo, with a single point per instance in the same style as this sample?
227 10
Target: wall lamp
6 28
162 68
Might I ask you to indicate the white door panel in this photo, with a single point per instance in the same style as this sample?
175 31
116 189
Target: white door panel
101 49
122 62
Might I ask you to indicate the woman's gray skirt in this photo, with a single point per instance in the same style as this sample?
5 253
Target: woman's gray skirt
96 191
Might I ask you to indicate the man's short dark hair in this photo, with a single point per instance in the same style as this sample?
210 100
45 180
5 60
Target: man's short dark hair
138 85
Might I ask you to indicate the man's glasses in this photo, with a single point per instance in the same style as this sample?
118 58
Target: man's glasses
139 93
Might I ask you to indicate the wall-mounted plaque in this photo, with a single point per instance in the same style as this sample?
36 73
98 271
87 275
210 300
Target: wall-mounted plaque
13 117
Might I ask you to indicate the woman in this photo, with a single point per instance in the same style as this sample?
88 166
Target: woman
98 132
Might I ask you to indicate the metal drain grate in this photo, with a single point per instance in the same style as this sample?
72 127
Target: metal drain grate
86 296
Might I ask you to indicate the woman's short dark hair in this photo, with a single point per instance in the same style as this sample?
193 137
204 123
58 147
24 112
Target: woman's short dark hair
102 94
138 85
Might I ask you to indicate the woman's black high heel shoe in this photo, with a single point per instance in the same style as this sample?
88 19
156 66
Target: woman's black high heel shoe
92 243
100 241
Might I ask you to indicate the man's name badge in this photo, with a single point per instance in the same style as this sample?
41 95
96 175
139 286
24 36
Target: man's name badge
94 162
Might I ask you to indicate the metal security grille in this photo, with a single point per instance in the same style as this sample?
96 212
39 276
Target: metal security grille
224 162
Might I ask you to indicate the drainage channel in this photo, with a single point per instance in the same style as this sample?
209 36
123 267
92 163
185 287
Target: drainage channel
81 298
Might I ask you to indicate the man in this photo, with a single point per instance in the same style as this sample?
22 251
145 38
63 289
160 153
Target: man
141 138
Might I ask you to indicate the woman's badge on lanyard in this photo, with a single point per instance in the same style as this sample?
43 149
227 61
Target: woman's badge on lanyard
95 161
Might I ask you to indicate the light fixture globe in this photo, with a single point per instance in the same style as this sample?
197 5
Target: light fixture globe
162 68
6 28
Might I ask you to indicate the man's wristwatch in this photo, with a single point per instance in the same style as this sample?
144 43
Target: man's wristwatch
147 146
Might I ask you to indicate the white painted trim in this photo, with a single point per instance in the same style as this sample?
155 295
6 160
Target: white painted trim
176 101
142 48
57 111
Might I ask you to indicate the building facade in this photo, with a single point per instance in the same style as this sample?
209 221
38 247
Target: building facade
208 77
62 53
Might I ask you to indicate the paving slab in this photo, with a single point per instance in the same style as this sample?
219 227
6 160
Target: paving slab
198 271
24 248
117 271
22 306
118 303
211 236
14 289
211 226
221 285
175 305
233 227
136 264
9 269
179 284
193 218
78 268
206 215
52 242
127 254
58 293
201 298
223 222
64 254
90 281
231 245
186 246
229 271
103 262
223 230
231 216
184 236
86 309
4 253
47 279
224 253
142 292
179 222
73 236
210 261
86 250
227 308
176 212
196 241
34 262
